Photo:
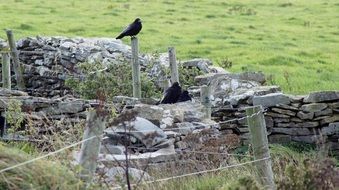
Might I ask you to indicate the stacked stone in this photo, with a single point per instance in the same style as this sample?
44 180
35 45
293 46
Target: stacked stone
310 119
41 111
48 61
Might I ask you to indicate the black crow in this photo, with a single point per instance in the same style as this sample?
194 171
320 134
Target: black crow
132 29
184 96
172 94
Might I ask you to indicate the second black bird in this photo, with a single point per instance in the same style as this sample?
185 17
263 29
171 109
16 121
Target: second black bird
172 94
132 29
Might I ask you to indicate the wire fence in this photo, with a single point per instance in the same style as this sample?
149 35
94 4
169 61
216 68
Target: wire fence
182 152
197 173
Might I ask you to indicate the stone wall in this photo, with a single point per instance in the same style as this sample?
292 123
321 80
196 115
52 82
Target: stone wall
313 118
48 61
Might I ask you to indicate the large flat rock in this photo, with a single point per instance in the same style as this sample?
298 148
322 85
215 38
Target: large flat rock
271 99
322 96
142 129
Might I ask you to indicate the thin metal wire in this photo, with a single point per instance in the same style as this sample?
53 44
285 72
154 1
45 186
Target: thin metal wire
200 172
46 155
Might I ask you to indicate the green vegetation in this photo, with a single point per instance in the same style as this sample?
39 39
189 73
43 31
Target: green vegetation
112 83
302 171
41 174
295 43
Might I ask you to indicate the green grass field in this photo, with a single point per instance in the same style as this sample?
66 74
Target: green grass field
295 43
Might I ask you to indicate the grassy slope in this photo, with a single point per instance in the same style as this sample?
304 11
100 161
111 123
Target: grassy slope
295 41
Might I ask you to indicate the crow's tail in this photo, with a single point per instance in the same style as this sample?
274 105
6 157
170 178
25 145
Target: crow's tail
120 36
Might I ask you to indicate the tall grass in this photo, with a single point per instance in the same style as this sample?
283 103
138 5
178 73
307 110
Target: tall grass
41 174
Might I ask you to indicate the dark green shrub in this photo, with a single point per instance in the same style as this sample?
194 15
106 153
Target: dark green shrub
115 80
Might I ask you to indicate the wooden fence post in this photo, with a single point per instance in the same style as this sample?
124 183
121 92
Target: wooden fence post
6 71
165 84
173 65
16 63
95 124
257 127
205 95
135 68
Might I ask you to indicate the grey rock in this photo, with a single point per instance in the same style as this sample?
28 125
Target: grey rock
6 92
322 96
112 149
272 114
271 99
279 138
327 111
297 120
303 115
334 105
310 124
331 119
314 107
296 98
287 107
65 107
153 113
143 130
281 120
251 76
308 139
126 100
283 111
286 124
201 64
331 129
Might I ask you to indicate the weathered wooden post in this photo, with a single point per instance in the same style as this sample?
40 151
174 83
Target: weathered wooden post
17 68
95 124
135 68
205 98
165 84
257 126
6 71
173 65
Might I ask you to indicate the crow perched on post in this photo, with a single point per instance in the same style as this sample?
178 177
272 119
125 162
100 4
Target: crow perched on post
172 94
132 29
184 96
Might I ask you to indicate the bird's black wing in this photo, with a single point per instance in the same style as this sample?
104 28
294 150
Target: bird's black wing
125 31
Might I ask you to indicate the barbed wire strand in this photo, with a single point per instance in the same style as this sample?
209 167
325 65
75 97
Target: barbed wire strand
46 155
199 172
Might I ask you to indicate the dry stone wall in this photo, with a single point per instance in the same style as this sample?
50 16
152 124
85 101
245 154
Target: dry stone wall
313 118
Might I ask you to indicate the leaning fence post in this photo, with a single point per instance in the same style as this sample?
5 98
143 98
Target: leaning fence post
205 98
16 63
257 127
89 152
6 71
173 65
135 68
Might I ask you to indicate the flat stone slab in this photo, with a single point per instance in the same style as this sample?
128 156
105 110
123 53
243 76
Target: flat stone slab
271 99
292 131
162 155
142 129
279 138
322 96
314 107
283 111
